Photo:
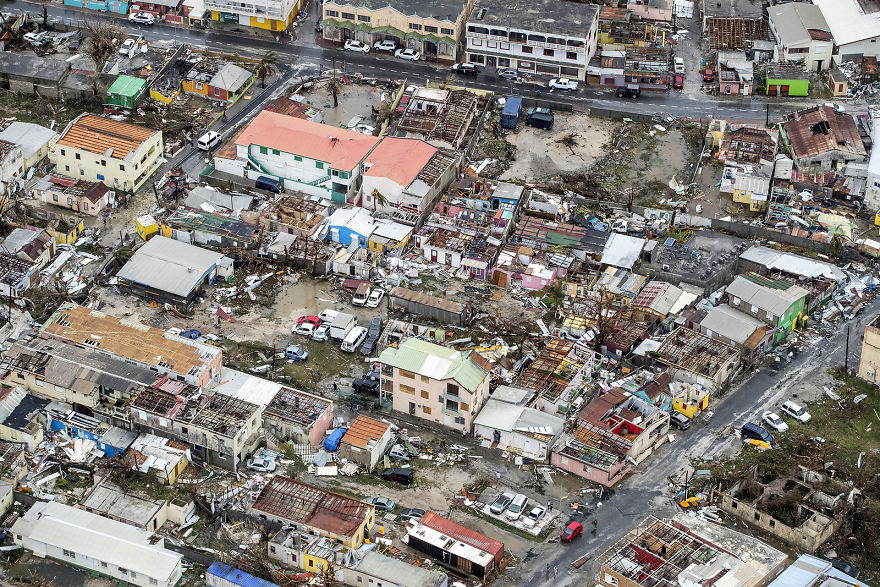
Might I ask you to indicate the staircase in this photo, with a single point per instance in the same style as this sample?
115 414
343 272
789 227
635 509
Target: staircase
319 181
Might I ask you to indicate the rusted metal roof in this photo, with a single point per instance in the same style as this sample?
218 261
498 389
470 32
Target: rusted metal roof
464 534
821 129
364 429
103 136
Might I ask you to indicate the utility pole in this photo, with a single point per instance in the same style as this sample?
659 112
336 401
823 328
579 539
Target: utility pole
846 356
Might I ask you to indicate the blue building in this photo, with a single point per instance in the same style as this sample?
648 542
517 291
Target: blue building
350 225
222 575
105 6
111 440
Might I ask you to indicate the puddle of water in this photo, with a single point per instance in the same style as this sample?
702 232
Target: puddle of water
353 101
671 155
310 296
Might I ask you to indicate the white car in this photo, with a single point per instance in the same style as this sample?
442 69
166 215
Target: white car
357 46
385 45
126 47
679 65
321 333
534 516
774 421
375 297
795 411
262 465
141 18
563 83
175 331
304 328
410 54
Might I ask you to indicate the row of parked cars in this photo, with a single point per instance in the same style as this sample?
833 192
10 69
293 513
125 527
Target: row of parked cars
514 508
386 46
759 435
321 328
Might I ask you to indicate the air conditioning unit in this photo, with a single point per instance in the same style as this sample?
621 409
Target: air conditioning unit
665 267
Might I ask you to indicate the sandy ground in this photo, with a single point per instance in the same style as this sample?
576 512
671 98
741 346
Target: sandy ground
354 100
539 154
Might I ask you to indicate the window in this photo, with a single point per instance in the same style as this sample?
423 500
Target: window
538 38
452 406
452 389
360 579
407 374
276 152
363 18
333 13
54 197
77 156
556 40
271 548
264 151
571 55
459 420
133 574
476 58
348 15
464 407
68 553
430 29
799 50
503 62
184 430
62 152
415 27
478 29
319 165
104 564
425 379
81 172
123 571
153 581
425 395
297 158
312 563
526 49
67 168
122 168
408 389
518 37
447 31
426 410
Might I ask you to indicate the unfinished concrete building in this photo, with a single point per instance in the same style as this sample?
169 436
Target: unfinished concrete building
441 117
296 416
696 358
300 252
687 551
289 214
221 429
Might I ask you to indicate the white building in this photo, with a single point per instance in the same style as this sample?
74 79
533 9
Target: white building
802 35
32 138
517 429
548 37
89 541
872 187
309 157
11 164
856 33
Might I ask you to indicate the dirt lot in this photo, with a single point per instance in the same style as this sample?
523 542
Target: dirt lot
540 153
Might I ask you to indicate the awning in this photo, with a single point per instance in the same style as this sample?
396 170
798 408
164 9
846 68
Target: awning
475 263
354 283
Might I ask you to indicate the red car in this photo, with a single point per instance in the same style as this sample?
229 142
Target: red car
313 319
678 82
572 531
708 76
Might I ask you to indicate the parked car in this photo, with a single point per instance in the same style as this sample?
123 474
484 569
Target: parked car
375 297
262 465
127 46
678 65
708 75
192 334
361 294
369 345
402 476
357 46
209 140
572 531
399 453
141 18
755 432
773 420
305 329
795 411
296 353
540 120
678 81
313 319
375 328
680 421
563 83
630 91
386 45
410 54
411 514
270 184
366 385
501 502
381 503
319 26
516 507
175 331
466 69
321 333
836 107
508 74
534 516
845 567
327 316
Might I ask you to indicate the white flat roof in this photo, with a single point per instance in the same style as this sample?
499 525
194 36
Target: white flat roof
848 22
250 388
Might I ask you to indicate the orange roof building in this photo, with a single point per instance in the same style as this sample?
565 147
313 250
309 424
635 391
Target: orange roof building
121 155
365 441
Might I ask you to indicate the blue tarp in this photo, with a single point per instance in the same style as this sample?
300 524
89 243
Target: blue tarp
235 576
331 443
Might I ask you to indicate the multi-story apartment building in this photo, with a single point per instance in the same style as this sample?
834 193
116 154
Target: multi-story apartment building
273 15
435 28
549 38
94 148
435 383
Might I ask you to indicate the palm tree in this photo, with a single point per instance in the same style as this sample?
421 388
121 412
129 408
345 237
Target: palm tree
269 60
378 199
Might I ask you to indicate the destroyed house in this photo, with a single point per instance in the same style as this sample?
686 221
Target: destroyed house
221 429
30 244
748 146
457 250
301 252
821 137
456 546
696 358
16 276
821 278
314 510
290 214
223 84
542 234
733 24
422 304
158 457
648 67
530 268
82 196
295 108
297 416
592 452
557 374
21 418
440 117
687 551
185 359
110 440
776 302
197 227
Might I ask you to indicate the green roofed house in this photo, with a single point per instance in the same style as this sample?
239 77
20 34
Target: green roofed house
435 383
776 302
125 91
787 80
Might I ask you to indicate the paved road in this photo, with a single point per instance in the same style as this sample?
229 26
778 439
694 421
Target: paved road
646 491
307 58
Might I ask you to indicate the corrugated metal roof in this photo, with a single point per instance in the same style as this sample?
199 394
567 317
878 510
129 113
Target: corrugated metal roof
770 299
464 534
103 136
169 265
234 576
436 362
731 323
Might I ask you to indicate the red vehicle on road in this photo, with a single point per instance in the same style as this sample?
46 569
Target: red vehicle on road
572 531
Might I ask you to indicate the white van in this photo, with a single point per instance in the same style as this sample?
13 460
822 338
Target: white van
361 295
209 140
354 339
516 507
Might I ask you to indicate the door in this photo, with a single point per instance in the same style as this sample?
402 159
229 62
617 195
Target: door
412 408
491 61
528 446
434 255
447 420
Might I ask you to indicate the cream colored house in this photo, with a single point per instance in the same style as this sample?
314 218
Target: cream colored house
435 383
435 28
869 364
121 155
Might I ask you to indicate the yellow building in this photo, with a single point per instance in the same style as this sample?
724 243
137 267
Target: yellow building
272 15
751 190
121 155
413 25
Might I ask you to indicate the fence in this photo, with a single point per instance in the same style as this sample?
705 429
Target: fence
749 231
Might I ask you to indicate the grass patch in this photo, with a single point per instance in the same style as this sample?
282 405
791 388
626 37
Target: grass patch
326 360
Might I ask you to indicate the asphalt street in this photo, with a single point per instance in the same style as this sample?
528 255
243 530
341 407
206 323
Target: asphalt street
306 58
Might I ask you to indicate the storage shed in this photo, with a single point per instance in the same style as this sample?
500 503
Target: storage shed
426 305
125 91
511 112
